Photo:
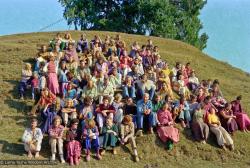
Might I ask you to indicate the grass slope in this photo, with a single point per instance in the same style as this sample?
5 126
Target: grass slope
16 49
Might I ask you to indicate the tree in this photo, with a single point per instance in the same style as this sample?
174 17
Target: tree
175 19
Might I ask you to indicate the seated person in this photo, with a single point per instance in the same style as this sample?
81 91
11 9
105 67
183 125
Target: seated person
129 88
87 112
134 74
105 89
48 115
73 146
144 112
242 118
129 108
56 138
32 139
104 111
199 127
146 86
128 134
182 111
90 90
115 79
193 81
71 52
166 130
68 111
222 136
68 40
82 43
228 119
110 133
91 137
57 41
118 105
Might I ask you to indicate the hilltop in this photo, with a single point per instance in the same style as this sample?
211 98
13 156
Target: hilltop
19 48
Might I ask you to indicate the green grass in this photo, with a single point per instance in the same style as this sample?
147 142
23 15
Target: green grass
16 49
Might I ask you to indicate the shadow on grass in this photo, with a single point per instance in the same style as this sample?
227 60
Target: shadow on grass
20 106
14 92
12 148
211 139
18 148
20 120
127 150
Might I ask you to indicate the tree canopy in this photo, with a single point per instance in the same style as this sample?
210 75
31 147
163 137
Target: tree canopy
175 19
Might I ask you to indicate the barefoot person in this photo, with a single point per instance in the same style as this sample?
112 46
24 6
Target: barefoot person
32 139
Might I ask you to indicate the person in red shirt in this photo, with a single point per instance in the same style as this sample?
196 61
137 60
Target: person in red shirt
103 111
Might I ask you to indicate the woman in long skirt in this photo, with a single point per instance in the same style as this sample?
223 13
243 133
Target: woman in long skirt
241 117
228 119
166 131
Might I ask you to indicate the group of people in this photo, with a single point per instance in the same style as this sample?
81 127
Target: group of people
99 94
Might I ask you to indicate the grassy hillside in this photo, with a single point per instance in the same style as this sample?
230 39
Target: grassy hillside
16 49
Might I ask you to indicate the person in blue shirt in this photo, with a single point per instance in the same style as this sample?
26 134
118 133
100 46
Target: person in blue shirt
144 112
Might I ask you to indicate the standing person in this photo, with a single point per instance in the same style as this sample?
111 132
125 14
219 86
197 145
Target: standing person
26 76
127 134
35 87
32 139
56 138
228 119
241 116
166 131
73 146
144 112
223 138
53 84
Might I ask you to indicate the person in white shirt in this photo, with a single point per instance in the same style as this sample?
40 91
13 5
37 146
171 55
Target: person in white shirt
146 86
32 139
193 82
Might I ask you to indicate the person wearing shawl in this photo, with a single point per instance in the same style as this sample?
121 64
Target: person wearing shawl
166 130
241 116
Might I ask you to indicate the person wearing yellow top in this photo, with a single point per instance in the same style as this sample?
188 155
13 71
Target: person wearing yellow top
222 136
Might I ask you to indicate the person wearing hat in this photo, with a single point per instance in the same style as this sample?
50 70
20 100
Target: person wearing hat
128 134
32 139
242 118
